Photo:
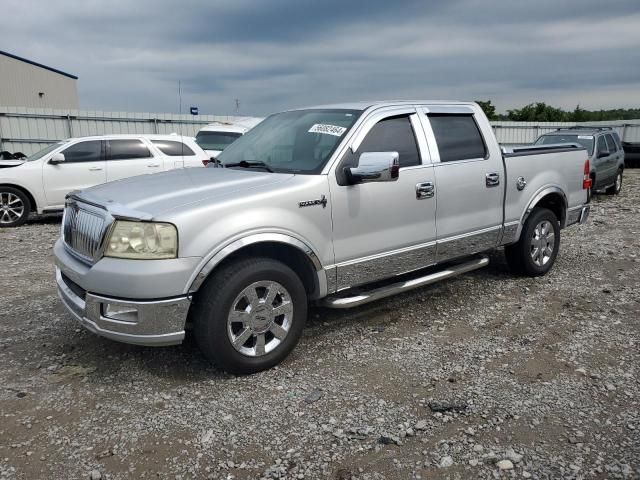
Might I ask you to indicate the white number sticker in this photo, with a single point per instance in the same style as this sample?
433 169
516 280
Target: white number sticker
327 129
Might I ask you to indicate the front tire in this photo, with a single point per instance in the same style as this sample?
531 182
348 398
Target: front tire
14 207
249 315
535 252
616 187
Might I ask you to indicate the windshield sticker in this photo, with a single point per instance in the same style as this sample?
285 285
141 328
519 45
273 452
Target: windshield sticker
334 130
585 137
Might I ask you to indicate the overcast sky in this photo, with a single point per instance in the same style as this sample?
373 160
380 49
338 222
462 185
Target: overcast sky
272 55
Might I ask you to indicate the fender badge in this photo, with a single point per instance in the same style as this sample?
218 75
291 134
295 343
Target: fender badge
310 203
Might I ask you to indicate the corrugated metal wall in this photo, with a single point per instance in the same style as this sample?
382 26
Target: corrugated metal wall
518 133
28 130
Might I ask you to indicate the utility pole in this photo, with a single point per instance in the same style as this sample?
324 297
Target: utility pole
237 105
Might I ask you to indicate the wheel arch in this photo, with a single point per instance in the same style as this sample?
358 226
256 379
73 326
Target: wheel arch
551 197
32 200
289 250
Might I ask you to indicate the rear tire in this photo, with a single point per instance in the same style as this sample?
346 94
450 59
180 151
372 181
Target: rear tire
14 207
616 187
535 252
249 315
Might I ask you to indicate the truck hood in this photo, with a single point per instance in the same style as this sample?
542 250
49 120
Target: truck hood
10 163
147 196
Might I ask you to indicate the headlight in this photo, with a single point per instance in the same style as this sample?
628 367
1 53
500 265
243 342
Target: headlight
142 241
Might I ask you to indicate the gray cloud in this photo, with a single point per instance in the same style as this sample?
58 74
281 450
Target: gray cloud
285 53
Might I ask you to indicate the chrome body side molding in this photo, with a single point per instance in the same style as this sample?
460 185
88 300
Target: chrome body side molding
387 264
468 243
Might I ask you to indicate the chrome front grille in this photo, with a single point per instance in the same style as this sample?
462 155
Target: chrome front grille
83 230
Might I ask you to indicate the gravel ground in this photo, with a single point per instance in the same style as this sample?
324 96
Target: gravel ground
482 376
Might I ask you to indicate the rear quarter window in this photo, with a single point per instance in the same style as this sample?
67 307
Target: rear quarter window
173 148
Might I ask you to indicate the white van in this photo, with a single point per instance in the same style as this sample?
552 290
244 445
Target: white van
215 137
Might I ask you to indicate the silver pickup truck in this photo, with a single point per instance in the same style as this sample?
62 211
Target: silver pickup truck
339 205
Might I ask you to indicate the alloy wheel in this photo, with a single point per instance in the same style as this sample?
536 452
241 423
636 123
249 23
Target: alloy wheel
11 208
542 243
260 318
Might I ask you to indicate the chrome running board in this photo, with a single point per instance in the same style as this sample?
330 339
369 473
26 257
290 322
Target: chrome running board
404 286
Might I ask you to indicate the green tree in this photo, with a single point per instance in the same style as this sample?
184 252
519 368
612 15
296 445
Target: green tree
538 112
488 108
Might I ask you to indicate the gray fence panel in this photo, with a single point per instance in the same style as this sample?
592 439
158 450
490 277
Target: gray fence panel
28 130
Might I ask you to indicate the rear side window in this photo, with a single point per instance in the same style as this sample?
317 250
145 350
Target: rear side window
127 149
458 137
393 135
90 151
611 144
173 149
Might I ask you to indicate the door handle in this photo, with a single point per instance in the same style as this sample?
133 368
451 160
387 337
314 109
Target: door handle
425 190
492 179
153 165
95 169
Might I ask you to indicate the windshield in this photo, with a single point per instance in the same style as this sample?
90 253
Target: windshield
216 140
585 140
38 155
300 141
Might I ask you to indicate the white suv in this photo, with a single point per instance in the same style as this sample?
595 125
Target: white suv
40 183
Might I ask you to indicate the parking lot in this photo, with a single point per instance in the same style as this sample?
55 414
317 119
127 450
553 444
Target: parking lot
481 376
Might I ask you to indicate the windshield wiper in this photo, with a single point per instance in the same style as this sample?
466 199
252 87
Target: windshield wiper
250 164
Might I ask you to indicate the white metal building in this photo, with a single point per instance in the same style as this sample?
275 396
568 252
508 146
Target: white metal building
24 83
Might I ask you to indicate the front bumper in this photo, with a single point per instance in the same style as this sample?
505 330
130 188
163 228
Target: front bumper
140 322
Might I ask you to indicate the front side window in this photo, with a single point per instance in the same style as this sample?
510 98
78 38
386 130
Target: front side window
90 151
173 149
458 137
299 141
127 149
611 145
393 134
216 140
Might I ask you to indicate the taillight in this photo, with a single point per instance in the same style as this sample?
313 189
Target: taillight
586 178
205 162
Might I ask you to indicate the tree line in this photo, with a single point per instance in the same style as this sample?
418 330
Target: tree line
541 112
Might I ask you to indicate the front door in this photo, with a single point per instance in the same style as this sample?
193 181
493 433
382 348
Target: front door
383 229
130 157
469 179
83 167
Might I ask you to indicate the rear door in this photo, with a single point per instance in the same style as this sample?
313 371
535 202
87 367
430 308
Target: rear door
602 161
383 229
128 157
615 155
469 181
84 166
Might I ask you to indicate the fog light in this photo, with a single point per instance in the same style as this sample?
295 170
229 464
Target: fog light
121 313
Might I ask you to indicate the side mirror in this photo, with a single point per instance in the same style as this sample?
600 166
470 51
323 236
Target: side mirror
602 153
57 158
375 167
